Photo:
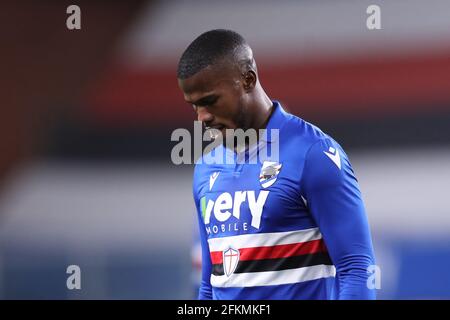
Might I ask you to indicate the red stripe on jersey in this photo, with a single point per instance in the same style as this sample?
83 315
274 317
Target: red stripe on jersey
274 252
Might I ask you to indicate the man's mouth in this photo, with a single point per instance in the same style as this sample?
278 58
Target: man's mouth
215 131
217 126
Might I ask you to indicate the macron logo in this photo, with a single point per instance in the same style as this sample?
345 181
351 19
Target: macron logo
212 179
333 154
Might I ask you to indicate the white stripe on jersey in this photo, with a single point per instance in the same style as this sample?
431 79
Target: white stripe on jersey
270 278
263 239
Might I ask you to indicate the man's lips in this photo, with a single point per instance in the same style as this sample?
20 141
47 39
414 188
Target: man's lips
216 130
218 127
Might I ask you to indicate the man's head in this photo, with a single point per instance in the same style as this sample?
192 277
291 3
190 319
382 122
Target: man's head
217 74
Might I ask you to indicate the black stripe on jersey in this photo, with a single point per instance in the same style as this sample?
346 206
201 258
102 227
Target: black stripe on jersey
305 260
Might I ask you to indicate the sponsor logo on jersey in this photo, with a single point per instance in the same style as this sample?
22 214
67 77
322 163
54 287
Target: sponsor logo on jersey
228 205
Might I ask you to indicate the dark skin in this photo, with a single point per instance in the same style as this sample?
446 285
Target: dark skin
228 95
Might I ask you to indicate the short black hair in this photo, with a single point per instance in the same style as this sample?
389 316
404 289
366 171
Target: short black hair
207 49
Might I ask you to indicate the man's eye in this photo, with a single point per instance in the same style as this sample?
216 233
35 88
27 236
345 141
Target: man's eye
210 103
205 103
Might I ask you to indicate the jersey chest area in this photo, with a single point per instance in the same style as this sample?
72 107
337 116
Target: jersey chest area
253 198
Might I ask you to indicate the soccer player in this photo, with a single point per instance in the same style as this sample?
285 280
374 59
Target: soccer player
294 228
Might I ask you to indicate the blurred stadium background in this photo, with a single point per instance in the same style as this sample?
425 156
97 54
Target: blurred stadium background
86 118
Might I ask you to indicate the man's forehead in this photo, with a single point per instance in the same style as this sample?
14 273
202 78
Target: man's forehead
203 80
208 78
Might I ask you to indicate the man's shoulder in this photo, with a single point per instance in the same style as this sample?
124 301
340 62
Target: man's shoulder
301 132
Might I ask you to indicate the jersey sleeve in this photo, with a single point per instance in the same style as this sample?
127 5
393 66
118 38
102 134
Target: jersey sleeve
205 290
334 200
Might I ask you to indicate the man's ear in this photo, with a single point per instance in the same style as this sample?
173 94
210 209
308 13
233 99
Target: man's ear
249 80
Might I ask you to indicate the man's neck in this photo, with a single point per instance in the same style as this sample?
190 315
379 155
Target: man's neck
262 111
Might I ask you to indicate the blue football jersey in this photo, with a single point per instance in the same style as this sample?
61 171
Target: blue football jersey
293 227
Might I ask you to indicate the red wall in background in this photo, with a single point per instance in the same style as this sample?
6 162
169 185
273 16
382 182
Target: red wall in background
371 87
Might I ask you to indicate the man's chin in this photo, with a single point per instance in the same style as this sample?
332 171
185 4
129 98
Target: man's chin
215 134
218 136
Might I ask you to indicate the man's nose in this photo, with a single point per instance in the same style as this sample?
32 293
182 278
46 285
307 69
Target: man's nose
203 114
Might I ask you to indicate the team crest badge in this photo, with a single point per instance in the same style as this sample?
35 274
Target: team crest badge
269 173
230 261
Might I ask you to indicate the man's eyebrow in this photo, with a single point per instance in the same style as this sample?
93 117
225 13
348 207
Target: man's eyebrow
204 100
